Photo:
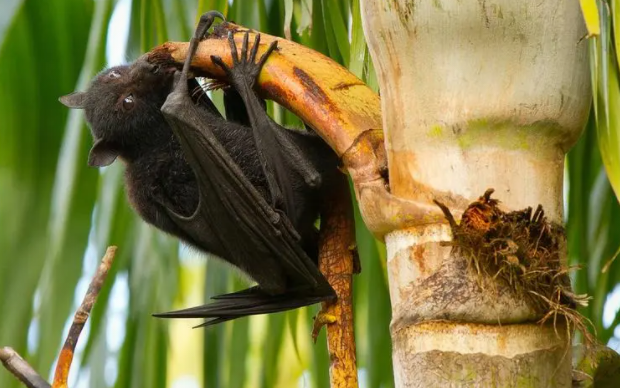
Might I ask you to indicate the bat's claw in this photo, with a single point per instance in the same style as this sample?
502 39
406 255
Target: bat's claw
218 61
205 22
322 318
245 70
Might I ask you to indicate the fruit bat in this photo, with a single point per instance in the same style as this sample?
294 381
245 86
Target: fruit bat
241 187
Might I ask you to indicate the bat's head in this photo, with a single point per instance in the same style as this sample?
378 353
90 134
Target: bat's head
122 107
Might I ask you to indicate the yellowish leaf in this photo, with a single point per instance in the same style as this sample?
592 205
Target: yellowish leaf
590 16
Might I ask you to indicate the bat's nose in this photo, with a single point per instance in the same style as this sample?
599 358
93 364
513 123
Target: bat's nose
313 180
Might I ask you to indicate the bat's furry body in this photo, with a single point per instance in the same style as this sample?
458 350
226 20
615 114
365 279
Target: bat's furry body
185 196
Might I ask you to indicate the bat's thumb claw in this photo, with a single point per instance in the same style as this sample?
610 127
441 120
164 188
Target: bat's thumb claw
216 58
275 218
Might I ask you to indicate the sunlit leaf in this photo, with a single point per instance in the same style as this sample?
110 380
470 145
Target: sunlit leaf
288 18
590 15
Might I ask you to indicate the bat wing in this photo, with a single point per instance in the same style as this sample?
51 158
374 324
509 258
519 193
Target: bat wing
247 302
235 221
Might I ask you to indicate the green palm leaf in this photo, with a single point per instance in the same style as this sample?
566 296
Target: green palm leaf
58 215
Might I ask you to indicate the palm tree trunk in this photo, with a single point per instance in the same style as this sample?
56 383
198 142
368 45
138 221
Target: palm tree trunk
475 95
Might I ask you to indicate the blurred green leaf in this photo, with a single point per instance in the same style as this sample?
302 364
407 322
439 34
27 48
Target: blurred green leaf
288 18
607 93
214 348
58 210
31 137
270 350
320 365
238 347
70 219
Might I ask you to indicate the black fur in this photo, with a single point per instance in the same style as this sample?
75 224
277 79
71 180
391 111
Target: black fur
123 108
156 170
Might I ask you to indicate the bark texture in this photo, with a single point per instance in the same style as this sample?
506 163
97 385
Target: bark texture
338 262
475 95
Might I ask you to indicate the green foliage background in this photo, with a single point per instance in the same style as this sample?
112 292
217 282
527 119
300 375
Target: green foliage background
57 216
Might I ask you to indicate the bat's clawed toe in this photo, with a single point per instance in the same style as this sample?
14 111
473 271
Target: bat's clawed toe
218 61
254 48
321 319
205 22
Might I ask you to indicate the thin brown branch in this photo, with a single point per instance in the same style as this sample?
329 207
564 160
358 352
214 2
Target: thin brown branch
79 320
338 262
15 364
610 261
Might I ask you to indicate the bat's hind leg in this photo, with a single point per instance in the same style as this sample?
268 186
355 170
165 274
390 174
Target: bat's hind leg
267 134
206 20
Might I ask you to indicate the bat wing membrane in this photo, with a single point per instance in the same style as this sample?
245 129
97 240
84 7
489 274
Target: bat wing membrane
255 237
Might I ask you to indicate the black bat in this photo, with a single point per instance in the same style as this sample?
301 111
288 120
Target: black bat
244 189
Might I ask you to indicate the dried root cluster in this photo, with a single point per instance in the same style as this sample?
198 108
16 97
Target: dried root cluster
522 251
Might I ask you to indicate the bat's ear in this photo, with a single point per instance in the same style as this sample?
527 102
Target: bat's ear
102 154
74 100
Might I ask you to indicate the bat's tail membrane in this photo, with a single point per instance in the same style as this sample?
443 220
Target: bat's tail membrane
252 301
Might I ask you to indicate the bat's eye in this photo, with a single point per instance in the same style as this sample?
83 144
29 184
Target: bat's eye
128 102
155 69
114 74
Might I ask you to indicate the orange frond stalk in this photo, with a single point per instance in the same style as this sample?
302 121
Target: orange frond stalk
65 358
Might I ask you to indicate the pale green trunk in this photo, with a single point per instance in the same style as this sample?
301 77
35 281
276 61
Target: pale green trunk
475 95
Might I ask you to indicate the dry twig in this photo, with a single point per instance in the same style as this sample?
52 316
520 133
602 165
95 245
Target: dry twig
65 358
15 364
21 369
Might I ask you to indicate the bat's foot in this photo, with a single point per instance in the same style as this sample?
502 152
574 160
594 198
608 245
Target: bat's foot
245 70
322 318
206 20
